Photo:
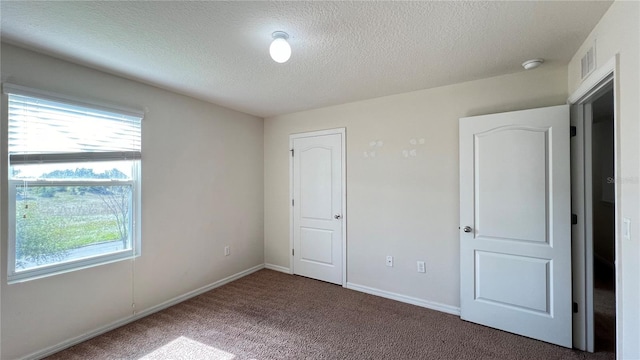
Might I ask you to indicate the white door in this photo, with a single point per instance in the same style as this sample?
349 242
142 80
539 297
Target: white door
515 223
318 205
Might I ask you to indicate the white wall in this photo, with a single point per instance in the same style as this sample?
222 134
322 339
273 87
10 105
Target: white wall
618 32
202 188
405 207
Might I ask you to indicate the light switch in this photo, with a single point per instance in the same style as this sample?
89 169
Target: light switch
626 228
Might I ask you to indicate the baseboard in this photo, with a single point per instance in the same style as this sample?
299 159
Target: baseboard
116 324
406 299
277 268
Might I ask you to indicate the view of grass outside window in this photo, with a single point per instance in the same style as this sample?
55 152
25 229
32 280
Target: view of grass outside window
61 223
73 185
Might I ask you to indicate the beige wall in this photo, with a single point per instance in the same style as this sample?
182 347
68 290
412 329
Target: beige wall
618 32
202 189
405 207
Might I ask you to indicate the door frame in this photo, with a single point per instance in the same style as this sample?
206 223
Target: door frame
601 80
292 137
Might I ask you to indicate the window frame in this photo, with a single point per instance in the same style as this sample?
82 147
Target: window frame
135 182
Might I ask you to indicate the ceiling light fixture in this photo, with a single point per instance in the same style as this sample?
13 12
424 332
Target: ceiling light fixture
532 64
280 50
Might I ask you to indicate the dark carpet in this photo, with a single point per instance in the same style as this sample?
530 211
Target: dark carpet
604 307
271 315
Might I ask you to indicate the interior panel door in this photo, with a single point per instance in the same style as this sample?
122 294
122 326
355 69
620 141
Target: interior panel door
318 207
515 223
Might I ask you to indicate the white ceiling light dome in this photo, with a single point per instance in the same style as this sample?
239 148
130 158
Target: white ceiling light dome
280 50
532 64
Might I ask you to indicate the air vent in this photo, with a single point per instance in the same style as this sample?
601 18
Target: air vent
588 62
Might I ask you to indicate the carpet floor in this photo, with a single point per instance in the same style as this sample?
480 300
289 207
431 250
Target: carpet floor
271 315
604 310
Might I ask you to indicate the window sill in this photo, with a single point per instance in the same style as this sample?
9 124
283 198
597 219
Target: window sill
67 267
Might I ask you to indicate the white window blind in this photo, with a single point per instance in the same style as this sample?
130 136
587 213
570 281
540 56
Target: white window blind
47 129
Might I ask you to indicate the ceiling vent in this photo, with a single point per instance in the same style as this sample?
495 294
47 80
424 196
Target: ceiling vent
588 61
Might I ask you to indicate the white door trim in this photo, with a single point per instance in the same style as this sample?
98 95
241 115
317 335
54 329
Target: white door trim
342 132
601 79
578 243
590 84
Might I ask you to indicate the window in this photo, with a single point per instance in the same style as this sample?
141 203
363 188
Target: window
74 183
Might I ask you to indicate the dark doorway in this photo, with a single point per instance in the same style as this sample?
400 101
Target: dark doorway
603 200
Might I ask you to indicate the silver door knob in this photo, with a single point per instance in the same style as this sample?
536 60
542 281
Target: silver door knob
337 216
467 229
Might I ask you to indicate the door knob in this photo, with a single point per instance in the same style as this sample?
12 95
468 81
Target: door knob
337 216
467 229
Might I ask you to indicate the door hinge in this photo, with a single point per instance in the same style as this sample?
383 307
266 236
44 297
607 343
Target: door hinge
293 202
293 252
574 219
292 151
573 131
575 307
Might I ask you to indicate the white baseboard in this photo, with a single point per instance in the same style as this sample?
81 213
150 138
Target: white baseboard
277 268
116 324
406 299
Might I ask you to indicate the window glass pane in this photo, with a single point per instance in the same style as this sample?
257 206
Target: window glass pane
56 224
101 170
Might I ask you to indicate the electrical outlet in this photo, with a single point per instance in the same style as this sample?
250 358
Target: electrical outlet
389 260
227 251
421 268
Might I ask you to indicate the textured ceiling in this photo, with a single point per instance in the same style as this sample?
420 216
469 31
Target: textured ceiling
342 51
